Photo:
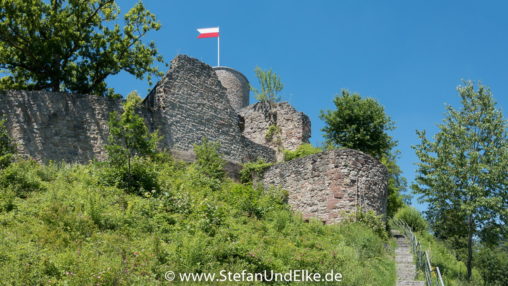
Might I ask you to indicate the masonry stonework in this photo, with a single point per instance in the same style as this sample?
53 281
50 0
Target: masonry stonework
332 183
290 128
191 102
57 126
237 86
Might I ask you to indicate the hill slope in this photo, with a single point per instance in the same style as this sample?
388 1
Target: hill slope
68 224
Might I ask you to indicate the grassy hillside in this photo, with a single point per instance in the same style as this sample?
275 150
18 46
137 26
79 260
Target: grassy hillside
73 225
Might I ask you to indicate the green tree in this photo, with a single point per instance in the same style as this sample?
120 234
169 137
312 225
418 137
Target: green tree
129 136
464 171
361 124
270 86
73 45
397 185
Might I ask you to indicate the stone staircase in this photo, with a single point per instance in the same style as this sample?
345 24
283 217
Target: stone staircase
406 268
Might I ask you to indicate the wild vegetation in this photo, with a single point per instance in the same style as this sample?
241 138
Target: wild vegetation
65 224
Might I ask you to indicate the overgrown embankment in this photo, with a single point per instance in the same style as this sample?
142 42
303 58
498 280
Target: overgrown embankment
76 225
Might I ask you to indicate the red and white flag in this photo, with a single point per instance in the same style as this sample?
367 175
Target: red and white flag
208 32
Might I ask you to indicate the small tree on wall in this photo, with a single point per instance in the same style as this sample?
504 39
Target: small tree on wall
270 84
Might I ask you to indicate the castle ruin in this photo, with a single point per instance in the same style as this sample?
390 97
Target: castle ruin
191 102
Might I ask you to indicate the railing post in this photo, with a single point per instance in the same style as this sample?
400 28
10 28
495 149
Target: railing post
439 277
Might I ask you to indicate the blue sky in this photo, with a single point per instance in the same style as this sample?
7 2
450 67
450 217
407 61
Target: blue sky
408 55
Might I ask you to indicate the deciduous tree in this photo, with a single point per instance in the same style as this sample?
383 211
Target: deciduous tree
73 45
463 172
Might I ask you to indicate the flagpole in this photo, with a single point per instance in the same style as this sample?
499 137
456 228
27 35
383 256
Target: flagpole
218 51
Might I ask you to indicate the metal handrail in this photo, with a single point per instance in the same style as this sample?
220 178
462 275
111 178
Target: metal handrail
422 257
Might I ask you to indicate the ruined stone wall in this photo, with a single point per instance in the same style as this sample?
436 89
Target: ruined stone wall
237 86
292 128
187 105
190 103
330 183
57 126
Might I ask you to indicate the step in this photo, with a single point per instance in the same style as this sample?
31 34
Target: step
405 267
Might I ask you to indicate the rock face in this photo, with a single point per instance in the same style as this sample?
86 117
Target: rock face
57 126
276 125
325 184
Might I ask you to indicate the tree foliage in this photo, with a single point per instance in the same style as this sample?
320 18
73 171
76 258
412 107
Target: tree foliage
463 172
358 123
73 45
270 86
129 136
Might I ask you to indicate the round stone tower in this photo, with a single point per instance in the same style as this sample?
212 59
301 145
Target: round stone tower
237 86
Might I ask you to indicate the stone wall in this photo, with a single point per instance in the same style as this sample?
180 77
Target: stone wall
326 184
292 128
237 86
188 104
57 126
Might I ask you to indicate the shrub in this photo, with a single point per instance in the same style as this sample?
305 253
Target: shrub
371 220
139 178
302 151
208 160
271 132
252 169
80 232
412 218
493 265
7 149
21 178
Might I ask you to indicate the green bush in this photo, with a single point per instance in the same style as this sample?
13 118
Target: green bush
412 218
370 219
271 132
493 265
302 151
7 148
139 178
21 178
208 160
252 169
453 270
